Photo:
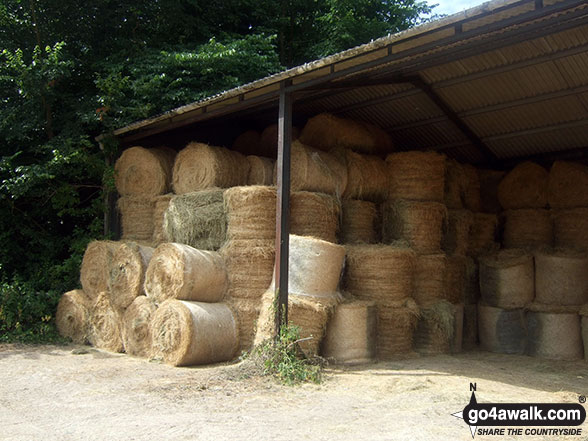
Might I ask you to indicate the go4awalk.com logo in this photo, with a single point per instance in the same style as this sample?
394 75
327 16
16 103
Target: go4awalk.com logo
529 419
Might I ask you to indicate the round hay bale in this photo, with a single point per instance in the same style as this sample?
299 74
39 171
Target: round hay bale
527 228
95 270
136 216
482 237
269 140
127 274
247 143
246 311
367 177
435 330
251 213
472 194
135 327
525 186
380 273
143 172
418 223
556 336
472 282
160 205
507 279
359 222
455 277
200 166
73 316
181 272
396 326
105 332
502 331
351 333
250 267
470 327
314 215
191 333
261 170
561 278
455 184
197 219
489 181
570 228
418 176
457 232
429 280
567 185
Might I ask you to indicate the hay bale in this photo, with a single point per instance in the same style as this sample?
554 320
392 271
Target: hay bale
136 216
359 222
105 321
197 219
555 335
456 236
95 270
418 176
143 172
160 206
314 215
429 280
470 327
502 331
471 282
367 177
261 170
567 185
472 192
269 140
418 223
246 312
191 333
482 237
561 278
181 272
525 186
396 326
435 330
489 181
247 143
251 213
507 279
351 333
135 327
73 316
455 183
250 267
455 276
570 228
527 228
127 273
199 166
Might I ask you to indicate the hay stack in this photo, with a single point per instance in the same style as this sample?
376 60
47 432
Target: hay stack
135 327
105 332
197 219
457 232
127 274
527 228
525 186
247 143
367 177
160 206
251 213
396 326
190 333
314 215
570 228
418 223
261 170
181 272
250 266
489 181
200 166
455 277
429 280
470 326
359 222
351 333
502 331
73 316
144 172
314 170
435 329
554 333
246 312
457 341
416 176
561 278
455 184
95 270
507 279
482 237
568 185
136 215
472 193
471 282
269 140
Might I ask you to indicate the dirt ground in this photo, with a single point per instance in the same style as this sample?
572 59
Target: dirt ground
56 393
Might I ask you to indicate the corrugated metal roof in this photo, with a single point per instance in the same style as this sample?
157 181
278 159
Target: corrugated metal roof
514 72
